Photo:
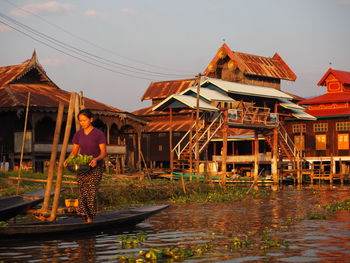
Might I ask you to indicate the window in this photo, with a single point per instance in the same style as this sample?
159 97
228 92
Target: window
160 148
299 142
320 127
321 142
342 126
296 128
343 141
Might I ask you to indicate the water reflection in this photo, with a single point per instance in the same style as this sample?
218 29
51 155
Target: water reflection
195 224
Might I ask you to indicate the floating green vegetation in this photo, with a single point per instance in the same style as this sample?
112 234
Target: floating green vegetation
268 242
172 254
239 242
338 206
316 216
131 241
329 210
291 220
3 223
217 194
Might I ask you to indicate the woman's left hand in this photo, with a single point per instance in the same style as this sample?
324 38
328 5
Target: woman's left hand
93 162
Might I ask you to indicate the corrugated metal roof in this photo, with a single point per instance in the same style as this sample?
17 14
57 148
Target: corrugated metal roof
15 95
208 94
290 105
244 89
9 74
342 76
273 67
44 95
163 89
338 97
302 115
183 101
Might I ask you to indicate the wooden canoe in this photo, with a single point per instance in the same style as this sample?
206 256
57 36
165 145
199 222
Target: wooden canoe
14 205
70 225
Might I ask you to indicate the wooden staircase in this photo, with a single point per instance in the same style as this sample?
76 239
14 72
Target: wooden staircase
183 149
289 149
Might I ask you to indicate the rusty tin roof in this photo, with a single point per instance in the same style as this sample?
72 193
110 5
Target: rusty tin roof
274 67
16 82
163 89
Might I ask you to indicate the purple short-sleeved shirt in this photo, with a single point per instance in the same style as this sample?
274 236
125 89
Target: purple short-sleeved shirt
89 144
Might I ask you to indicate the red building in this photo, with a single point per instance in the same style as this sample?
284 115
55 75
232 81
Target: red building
328 137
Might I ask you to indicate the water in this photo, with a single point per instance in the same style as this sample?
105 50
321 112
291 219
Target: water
280 215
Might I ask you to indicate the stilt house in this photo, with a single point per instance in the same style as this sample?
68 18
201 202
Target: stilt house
121 128
246 87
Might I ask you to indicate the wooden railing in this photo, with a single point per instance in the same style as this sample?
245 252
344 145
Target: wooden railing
251 115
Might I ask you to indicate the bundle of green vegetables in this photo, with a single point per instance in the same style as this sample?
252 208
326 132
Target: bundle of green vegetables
79 160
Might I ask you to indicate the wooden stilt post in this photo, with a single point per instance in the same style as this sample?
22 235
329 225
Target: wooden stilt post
55 142
171 141
331 170
191 152
197 125
63 156
139 152
224 148
274 168
23 143
256 156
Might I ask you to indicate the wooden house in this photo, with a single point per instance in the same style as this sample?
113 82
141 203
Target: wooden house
327 138
226 67
121 128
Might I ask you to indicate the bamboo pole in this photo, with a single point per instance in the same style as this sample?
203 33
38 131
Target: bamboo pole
81 100
76 113
62 157
56 139
23 143
39 180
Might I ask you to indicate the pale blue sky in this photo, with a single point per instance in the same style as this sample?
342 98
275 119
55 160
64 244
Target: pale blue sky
176 36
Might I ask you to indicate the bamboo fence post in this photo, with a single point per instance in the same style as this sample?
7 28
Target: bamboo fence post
23 143
62 157
81 101
76 112
55 142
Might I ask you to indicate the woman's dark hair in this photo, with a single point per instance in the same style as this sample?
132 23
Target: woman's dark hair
86 113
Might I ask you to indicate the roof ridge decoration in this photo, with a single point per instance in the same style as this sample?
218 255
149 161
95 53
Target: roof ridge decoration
341 75
28 65
274 67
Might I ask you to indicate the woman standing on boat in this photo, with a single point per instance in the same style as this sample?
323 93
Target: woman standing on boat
89 141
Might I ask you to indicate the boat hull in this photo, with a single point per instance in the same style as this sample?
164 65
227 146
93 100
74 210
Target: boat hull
116 220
